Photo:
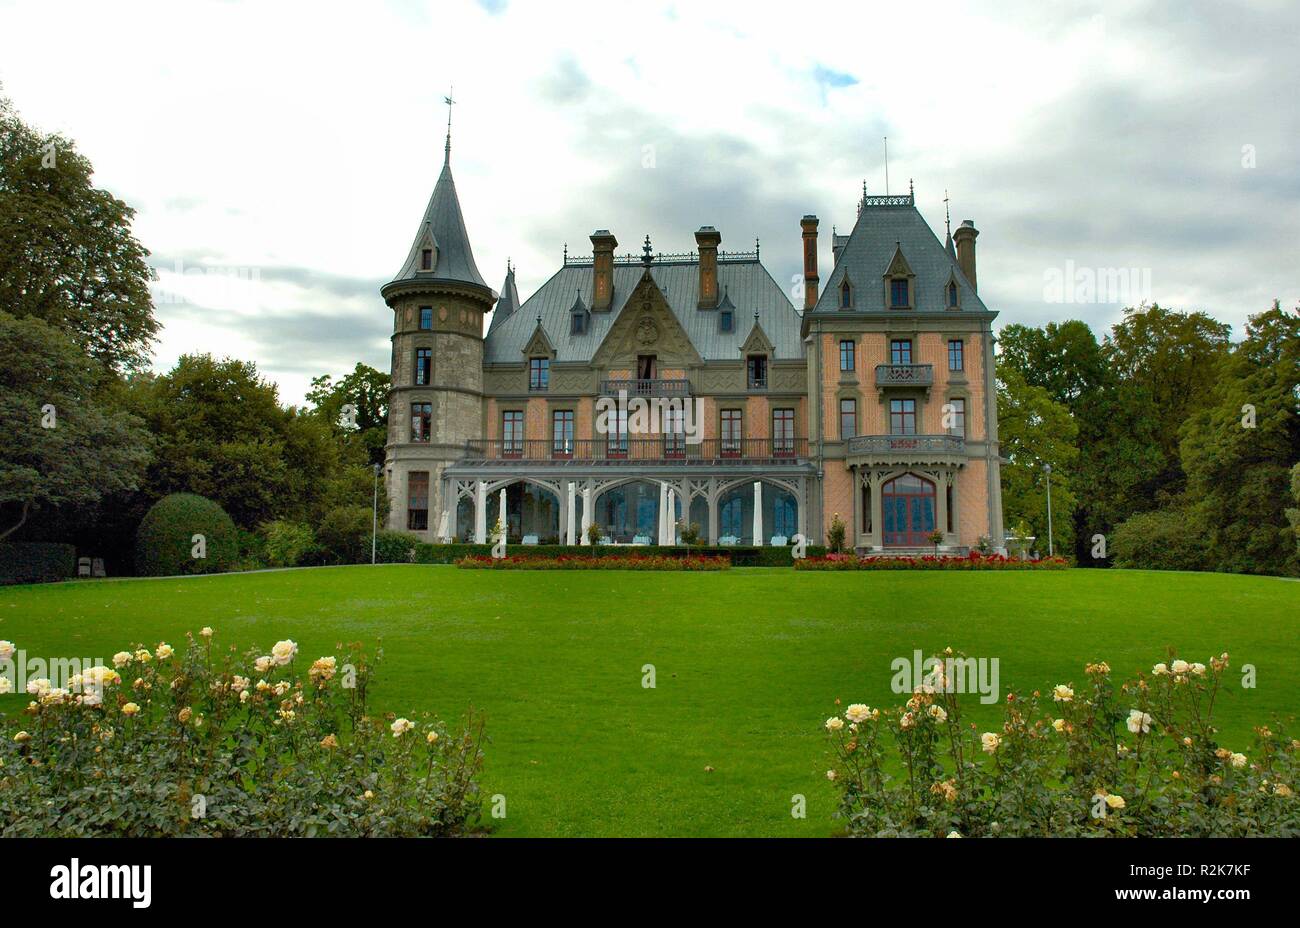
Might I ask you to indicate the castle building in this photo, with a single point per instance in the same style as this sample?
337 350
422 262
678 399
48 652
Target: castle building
643 393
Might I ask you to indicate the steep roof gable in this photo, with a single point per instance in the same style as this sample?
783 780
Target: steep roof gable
443 229
891 238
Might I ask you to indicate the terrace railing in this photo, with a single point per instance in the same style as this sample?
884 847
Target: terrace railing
613 450
904 375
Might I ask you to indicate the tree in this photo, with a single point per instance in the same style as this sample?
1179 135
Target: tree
366 389
1238 452
58 444
1035 430
67 253
1062 358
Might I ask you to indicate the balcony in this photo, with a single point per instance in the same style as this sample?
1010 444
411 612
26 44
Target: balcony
904 375
657 387
907 449
638 451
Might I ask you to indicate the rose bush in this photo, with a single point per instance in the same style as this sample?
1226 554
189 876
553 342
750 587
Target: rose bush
579 562
204 742
973 561
1142 758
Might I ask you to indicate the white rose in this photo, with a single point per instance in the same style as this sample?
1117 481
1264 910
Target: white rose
834 723
1237 760
284 651
7 650
163 651
1138 722
858 712
262 664
1198 669
121 659
1160 670
1062 693
938 714
6 686
990 741
401 727
1181 666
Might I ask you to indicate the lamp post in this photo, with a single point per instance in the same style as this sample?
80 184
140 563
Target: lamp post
374 518
1047 468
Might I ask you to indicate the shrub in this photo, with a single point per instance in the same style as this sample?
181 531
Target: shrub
588 562
395 547
1138 759
344 534
593 534
186 744
165 544
1165 539
835 535
690 533
36 562
289 544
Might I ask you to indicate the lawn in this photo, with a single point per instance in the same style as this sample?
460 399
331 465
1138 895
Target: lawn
748 663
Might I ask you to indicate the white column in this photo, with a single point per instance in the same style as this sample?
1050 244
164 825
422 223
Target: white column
571 513
672 516
587 514
663 513
480 513
758 513
442 525
501 512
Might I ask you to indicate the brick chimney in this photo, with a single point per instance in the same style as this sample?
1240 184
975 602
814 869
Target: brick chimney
707 240
964 239
810 278
602 286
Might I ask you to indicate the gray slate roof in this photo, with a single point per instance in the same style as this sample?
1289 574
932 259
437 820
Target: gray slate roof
509 301
444 226
878 233
746 283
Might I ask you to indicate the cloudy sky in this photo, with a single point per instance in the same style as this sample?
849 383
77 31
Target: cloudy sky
289 149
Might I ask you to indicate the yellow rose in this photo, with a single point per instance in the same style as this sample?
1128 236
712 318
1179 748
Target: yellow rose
130 709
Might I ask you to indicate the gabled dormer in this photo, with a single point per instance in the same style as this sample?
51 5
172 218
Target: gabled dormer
899 282
845 294
952 292
757 351
579 317
539 344
726 314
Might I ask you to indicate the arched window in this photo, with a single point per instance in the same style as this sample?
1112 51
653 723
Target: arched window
846 296
952 295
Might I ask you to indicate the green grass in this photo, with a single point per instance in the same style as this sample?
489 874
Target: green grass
748 663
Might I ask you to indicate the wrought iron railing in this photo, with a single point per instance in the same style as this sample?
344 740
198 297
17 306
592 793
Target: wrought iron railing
624 450
907 444
648 387
904 375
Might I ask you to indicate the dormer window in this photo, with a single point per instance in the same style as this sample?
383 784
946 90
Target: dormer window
846 296
577 324
539 374
898 296
426 259
726 321
952 296
756 369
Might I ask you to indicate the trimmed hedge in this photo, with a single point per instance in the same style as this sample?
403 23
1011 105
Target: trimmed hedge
164 540
739 556
36 562
590 562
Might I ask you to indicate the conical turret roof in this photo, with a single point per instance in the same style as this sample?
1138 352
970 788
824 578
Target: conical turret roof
443 231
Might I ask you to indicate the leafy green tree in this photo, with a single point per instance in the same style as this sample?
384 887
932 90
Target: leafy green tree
1239 451
67 253
59 444
1062 358
365 389
1035 430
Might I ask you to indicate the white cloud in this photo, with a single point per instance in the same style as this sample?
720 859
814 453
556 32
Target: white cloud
301 140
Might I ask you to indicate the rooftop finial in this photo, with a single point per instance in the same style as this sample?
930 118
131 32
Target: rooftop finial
947 213
446 151
755 247
566 252
647 252
911 188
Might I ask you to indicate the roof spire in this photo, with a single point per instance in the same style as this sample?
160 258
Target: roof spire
446 151
647 255
947 213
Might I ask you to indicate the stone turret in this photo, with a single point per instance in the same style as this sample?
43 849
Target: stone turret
439 300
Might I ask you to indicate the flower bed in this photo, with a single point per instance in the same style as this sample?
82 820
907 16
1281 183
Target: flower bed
972 561
578 562
204 742
1135 759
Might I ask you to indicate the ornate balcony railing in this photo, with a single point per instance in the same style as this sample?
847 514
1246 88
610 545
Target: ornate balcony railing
904 375
616 451
907 444
656 387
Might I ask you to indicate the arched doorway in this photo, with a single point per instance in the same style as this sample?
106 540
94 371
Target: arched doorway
629 512
736 513
907 505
